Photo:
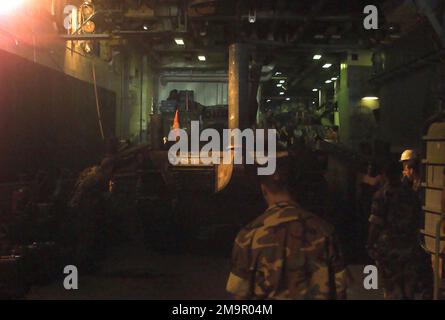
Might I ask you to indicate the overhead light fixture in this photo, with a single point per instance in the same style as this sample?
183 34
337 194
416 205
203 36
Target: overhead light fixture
145 27
328 81
281 93
282 81
202 58
315 90
317 57
327 65
252 16
334 78
268 100
287 99
179 41
370 98
279 85
278 73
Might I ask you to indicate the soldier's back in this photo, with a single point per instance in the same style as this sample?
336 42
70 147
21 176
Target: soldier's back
289 253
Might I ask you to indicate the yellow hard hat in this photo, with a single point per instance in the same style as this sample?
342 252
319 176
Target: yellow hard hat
408 154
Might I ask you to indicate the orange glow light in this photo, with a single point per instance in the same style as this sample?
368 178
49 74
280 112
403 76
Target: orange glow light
10 6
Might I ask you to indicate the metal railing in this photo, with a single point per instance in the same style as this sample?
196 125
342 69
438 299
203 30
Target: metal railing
437 256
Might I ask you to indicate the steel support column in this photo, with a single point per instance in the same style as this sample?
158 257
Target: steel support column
238 86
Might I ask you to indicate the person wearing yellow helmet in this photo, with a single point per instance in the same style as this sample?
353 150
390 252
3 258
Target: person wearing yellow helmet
411 177
410 173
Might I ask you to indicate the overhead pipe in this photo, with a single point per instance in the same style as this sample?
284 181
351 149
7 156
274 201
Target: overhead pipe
212 67
268 16
303 47
238 115
193 78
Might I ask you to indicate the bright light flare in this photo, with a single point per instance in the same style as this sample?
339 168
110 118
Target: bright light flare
370 98
9 7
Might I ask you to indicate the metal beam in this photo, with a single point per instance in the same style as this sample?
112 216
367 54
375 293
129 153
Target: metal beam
417 63
192 68
220 49
268 17
238 86
84 37
425 7
304 47
118 34
193 78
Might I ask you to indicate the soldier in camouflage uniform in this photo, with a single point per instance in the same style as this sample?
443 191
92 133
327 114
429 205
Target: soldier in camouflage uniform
288 252
89 212
393 237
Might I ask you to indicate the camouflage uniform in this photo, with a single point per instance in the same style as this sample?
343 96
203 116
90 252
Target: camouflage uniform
287 253
414 184
89 214
400 260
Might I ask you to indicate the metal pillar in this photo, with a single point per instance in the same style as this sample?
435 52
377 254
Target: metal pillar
238 92
238 86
